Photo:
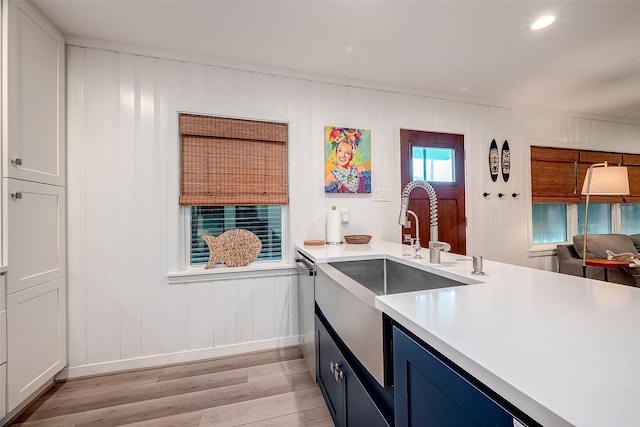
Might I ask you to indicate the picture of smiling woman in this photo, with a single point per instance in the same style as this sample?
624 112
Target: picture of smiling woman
347 160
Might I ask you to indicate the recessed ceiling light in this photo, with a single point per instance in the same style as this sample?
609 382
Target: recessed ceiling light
543 22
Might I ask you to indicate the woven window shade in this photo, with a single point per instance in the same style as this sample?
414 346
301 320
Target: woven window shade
232 162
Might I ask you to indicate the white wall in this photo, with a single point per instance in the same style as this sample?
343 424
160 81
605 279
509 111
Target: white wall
123 175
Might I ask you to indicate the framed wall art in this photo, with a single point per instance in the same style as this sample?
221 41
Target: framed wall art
347 155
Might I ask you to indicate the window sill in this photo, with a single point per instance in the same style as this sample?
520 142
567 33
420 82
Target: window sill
221 272
543 250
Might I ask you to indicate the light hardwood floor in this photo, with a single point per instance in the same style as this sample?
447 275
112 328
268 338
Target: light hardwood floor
270 388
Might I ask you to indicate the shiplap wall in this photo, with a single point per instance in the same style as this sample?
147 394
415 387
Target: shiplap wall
123 214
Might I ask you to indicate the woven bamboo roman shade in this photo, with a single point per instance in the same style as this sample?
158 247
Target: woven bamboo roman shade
232 161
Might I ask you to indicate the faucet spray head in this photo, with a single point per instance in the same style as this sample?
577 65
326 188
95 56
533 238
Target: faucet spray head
402 220
404 204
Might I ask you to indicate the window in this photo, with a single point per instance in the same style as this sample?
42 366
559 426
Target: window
234 175
630 218
549 223
264 221
433 164
599 218
558 208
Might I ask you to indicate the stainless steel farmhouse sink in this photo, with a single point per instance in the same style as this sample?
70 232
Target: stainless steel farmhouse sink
345 293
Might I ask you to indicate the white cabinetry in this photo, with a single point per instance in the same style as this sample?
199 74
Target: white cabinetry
35 237
3 348
33 93
33 204
36 336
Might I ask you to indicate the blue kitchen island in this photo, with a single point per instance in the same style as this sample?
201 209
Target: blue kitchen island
554 349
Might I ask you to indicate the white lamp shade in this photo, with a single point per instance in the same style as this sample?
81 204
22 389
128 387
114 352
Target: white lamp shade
607 181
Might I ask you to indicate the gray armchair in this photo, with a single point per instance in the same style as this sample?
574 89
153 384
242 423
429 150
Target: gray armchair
570 256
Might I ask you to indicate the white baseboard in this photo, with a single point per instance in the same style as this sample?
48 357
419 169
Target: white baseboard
174 358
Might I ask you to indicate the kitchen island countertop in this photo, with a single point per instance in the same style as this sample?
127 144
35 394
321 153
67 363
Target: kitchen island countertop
563 349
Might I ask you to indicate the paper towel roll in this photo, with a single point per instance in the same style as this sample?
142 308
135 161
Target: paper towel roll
334 226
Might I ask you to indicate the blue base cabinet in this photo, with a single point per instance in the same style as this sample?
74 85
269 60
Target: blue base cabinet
347 399
430 392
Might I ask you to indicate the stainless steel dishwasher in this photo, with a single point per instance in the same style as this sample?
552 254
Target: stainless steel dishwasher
306 310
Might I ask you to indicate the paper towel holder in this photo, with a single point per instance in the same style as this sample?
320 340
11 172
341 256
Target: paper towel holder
334 239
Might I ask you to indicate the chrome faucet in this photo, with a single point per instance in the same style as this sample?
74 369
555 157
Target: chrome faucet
435 246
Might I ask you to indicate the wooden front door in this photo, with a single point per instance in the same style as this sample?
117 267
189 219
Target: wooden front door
437 158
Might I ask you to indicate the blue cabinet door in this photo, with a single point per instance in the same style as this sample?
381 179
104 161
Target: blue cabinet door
430 393
348 400
329 365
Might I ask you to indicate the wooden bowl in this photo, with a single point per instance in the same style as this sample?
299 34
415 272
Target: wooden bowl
357 238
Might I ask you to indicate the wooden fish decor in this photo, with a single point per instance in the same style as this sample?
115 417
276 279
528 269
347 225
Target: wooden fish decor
233 248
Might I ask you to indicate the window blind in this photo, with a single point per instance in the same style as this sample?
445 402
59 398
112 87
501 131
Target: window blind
232 161
557 174
264 221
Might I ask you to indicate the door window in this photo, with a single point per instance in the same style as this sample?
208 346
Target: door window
433 164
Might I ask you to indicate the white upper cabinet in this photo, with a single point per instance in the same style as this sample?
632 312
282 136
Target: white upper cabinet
32 96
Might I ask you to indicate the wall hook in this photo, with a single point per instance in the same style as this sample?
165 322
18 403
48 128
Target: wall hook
501 195
485 194
514 195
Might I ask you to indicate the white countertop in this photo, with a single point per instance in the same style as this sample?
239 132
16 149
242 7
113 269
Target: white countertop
563 349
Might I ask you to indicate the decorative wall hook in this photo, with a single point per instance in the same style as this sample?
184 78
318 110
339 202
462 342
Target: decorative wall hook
501 195
486 195
514 195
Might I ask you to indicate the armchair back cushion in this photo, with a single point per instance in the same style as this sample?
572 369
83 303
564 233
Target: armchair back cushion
597 244
634 237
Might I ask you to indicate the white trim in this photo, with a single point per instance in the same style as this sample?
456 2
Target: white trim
255 269
544 250
616 218
159 360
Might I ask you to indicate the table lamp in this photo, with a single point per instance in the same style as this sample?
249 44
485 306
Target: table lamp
602 180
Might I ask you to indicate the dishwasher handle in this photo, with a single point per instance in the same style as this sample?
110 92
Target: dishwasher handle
305 267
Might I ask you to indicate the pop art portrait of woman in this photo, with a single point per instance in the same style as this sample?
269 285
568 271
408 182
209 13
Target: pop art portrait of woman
347 153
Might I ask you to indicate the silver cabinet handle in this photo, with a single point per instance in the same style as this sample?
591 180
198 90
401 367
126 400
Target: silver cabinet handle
335 370
16 196
17 161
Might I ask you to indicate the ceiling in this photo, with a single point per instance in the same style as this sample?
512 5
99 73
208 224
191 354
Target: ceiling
587 62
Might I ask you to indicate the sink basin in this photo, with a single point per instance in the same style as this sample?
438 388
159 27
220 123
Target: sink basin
385 277
345 293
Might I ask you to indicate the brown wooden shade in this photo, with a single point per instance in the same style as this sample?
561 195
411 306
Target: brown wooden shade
557 174
232 161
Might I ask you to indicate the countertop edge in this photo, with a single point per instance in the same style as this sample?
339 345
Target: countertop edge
516 397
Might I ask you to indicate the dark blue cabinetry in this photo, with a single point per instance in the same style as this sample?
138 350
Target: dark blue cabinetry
349 402
429 392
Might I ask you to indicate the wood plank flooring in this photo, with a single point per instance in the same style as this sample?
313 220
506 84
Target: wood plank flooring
269 388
